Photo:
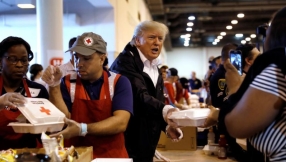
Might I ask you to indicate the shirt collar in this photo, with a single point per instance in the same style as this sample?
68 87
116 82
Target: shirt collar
145 60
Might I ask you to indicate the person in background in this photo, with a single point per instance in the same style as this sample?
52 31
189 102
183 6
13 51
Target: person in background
249 54
258 108
15 54
195 84
163 70
217 82
97 102
36 71
182 95
139 63
68 68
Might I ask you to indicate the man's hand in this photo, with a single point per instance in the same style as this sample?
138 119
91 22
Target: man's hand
175 134
73 129
232 77
212 118
11 100
170 121
52 75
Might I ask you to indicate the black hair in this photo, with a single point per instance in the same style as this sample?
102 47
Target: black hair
184 82
105 62
10 41
34 70
71 42
246 50
276 35
225 50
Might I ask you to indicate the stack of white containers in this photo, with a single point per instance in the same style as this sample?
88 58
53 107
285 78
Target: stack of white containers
194 99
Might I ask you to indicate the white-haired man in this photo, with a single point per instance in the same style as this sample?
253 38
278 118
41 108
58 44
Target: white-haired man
139 63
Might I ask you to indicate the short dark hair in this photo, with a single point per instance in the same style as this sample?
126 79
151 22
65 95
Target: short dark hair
246 50
10 41
277 33
34 70
71 42
225 50
184 81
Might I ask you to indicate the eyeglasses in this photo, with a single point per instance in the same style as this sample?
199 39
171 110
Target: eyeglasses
14 60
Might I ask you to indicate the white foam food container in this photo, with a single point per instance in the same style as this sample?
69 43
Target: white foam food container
42 115
192 117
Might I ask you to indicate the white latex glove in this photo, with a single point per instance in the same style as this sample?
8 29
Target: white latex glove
73 129
52 75
11 100
175 134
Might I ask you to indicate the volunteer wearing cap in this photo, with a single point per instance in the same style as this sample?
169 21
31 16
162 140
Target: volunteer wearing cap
98 102
15 54
170 89
139 62
68 68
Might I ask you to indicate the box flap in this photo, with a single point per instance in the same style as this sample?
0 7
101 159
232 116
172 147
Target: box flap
40 110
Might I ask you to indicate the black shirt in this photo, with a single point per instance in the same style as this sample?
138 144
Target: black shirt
217 87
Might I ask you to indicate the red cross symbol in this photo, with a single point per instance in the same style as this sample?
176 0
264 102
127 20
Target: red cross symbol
47 111
88 41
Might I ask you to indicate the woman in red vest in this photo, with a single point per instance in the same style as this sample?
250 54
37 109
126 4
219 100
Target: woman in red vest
15 54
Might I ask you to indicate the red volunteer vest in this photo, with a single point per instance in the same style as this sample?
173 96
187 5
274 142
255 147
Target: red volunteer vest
88 111
6 116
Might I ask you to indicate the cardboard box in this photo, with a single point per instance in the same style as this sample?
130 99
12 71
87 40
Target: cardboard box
188 142
85 153
162 141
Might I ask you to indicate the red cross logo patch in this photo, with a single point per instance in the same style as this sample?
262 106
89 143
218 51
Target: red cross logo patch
88 41
47 111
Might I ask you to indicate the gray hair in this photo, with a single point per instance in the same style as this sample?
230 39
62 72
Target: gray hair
146 26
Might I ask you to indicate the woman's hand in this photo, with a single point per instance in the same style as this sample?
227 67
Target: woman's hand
11 100
232 77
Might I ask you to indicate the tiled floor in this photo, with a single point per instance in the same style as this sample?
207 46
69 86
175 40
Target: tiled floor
190 156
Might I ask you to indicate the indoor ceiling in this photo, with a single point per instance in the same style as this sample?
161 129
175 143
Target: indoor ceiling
211 18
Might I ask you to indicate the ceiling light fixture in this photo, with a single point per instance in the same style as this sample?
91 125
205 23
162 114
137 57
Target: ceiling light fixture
189 29
190 24
214 43
188 35
25 4
187 39
234 21
191 17
223 33
183 36
229 27
253 35
219 37
186 44
240 15
247 39
243 42
216 40
238 35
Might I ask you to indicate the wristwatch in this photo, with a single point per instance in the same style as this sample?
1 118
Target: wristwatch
83 127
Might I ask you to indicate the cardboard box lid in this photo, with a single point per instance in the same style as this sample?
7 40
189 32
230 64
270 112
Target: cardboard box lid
40 110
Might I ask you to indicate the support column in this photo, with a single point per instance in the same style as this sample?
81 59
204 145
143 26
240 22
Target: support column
49 32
